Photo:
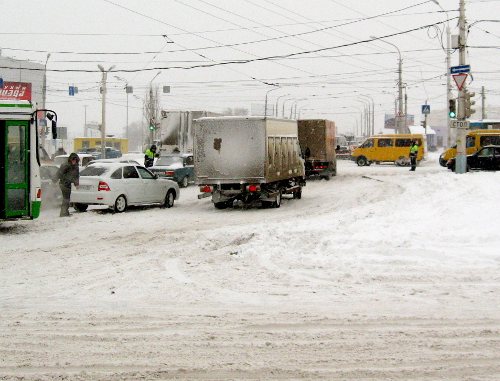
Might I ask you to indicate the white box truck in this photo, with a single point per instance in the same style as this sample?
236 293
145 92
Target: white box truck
247 159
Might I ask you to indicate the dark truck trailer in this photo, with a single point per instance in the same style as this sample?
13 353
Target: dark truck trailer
247 159
317 140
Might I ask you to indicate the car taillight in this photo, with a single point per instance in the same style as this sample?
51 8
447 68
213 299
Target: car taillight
319 166
103 186
206 189
169 173
253 188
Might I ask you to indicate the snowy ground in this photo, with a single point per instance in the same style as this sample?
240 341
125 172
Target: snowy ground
377 274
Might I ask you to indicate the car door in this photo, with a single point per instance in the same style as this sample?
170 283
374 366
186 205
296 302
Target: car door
133 185
152 187
484 158
496 159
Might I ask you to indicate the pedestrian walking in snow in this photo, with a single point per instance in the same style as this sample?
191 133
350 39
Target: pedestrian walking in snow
68 173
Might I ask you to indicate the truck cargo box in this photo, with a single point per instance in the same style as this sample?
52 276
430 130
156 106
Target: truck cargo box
317 140
237 153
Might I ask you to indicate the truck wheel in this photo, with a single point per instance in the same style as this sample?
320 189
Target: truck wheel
223 205
361 161
327 177
184 182
277 201
297 194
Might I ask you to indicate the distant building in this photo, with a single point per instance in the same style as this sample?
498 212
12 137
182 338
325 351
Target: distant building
12 70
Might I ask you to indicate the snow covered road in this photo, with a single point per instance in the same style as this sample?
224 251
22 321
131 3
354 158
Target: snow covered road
377 274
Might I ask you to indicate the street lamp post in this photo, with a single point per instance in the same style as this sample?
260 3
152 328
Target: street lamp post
44 97
400 112
127 91
276 108
152 109
265 103
372 122
103 123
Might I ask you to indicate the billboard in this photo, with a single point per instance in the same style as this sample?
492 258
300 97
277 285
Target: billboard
16 91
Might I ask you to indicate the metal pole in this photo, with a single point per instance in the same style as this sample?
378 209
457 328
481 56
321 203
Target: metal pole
372 121
103 123
483 103
85 121
265 103
461 160
281 96
399 114
448 73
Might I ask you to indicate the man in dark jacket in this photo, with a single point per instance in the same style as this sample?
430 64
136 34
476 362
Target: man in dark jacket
68 173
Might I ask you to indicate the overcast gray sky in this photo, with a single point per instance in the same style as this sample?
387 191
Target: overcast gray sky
216 54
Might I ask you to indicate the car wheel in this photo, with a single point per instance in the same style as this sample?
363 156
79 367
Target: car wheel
185 182
361 161
80 207
169 199
120 204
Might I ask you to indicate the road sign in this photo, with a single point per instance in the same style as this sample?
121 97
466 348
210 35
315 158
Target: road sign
460 80
465 124
71 90
1 83
460 69
426 109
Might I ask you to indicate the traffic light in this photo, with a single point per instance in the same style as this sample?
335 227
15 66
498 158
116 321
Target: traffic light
453 108
151 124
469 103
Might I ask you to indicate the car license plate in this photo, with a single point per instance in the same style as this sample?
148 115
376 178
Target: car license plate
85 187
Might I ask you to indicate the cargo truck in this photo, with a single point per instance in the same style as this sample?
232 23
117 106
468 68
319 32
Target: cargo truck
317 140
247 159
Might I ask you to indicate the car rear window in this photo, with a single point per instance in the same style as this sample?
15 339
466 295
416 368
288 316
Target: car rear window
94 170
168 160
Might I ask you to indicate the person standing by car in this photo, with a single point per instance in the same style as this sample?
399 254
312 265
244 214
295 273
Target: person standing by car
413 155
68 173
149 156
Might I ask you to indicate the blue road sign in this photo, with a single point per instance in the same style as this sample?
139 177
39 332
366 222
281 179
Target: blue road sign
1 83
426 109
460 69
72 90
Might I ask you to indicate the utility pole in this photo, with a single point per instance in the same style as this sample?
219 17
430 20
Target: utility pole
103 123
85 121
483 104
461 160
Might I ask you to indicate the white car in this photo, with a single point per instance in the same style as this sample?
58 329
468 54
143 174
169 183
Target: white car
119 185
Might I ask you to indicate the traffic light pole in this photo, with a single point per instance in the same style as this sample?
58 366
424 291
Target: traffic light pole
461 160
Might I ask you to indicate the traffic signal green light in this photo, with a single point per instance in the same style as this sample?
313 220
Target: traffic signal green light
453 108
151 128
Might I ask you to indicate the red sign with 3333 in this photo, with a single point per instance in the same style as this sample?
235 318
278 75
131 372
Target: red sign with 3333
16 91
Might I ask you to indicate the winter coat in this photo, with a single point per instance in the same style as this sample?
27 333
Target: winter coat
68 173
149 156
414 150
